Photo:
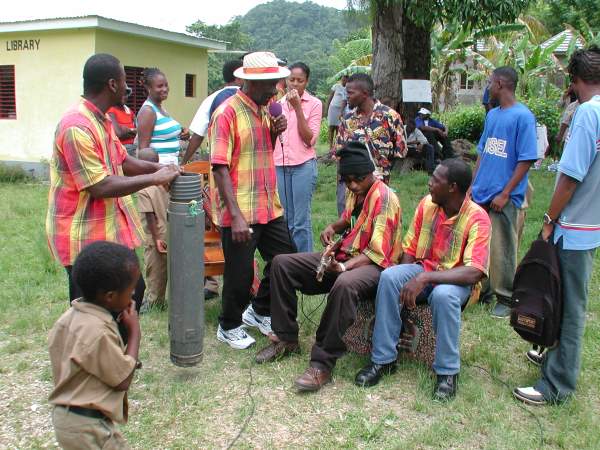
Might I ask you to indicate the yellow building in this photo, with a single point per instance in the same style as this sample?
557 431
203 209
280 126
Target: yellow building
41 65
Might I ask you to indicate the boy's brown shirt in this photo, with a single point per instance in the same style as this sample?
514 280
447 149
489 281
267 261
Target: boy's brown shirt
88 360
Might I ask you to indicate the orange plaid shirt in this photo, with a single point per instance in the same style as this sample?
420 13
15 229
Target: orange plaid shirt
87 150
239 138
377 231
442 243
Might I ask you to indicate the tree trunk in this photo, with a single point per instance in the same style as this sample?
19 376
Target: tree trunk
401 50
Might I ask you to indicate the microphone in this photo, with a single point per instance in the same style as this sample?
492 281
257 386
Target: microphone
275 109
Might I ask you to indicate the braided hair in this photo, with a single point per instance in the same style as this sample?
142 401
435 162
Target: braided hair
585 65
148 74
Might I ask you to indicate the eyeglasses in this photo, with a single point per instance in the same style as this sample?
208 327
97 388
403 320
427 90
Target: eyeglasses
351 178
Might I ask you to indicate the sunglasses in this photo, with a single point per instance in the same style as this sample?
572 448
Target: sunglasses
351 178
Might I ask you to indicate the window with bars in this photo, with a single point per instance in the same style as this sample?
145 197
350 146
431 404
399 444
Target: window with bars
8 104
190 85
133 77
465 83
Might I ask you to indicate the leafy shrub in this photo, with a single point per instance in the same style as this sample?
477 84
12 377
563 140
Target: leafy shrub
464 122
323 132
547 113
13 174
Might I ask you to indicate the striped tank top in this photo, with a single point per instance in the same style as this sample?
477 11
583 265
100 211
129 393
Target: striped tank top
165 136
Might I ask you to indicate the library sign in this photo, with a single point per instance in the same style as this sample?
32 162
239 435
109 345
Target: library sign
19 45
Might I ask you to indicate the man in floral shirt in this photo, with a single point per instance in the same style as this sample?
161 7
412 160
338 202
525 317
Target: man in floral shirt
377 126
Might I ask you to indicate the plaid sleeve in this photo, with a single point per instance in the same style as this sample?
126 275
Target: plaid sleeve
477 250
221 137
121 150
411 239
79 151
350 200
380 247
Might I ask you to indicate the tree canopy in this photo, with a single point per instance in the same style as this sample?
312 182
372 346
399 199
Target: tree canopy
580 14
293 31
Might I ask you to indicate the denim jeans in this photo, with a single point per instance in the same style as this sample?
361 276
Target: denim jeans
296 185
445 301
562 364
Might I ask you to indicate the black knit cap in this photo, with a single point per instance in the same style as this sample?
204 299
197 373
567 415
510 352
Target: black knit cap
355 159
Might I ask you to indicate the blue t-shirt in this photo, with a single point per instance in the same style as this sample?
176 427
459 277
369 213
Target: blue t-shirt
486 96
579 221
508 138
419 122
220 98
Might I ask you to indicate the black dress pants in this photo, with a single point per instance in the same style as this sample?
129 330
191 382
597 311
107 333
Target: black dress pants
298 272
271 239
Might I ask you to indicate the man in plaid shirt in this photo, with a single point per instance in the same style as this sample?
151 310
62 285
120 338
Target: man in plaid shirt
92 176
244 199
446 254
371 230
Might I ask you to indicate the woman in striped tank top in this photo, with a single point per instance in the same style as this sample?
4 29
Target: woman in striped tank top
156 128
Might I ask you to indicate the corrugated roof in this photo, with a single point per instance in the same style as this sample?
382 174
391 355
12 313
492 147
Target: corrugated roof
567 37
94 21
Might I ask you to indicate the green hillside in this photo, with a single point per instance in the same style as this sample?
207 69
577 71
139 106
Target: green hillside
293 31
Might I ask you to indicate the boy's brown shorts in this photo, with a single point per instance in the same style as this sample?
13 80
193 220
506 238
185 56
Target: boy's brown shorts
74 431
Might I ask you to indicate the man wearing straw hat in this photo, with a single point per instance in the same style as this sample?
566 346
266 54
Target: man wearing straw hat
244 196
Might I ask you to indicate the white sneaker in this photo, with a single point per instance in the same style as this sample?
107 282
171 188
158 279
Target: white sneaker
529 395
236 338
251 319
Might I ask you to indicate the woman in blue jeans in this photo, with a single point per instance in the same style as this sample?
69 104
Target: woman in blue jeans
295 156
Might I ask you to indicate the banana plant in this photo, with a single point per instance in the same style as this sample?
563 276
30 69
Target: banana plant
534 63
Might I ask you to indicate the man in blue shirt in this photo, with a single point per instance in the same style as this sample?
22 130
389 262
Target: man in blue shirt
435 132
573 222
507 149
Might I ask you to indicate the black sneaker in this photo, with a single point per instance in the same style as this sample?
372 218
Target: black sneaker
536 357
445 387
372 373
501 311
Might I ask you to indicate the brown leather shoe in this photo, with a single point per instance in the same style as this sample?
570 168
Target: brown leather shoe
276 350
312 379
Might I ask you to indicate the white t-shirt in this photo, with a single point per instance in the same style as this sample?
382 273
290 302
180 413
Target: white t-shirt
201 120
541 133
418 136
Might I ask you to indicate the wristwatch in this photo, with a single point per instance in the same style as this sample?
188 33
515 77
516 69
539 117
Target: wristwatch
341 264
548 220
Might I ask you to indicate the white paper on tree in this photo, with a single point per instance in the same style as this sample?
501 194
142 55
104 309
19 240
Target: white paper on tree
417 91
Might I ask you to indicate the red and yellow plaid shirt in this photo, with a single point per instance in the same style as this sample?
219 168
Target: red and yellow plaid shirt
239 138
86 150
377 231
442 243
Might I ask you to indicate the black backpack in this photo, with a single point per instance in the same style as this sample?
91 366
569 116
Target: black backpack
537 295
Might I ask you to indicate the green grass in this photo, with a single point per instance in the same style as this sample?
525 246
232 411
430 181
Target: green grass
204 407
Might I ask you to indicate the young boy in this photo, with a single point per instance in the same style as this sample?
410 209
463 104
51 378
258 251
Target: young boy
152 206
91 367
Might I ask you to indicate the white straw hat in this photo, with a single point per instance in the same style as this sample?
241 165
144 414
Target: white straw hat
261 66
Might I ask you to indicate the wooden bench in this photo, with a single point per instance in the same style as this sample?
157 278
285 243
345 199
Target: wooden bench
214 260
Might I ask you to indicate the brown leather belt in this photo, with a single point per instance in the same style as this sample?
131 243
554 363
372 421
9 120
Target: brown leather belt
86 412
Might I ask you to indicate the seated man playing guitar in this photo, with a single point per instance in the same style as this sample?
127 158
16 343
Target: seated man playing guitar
371 230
